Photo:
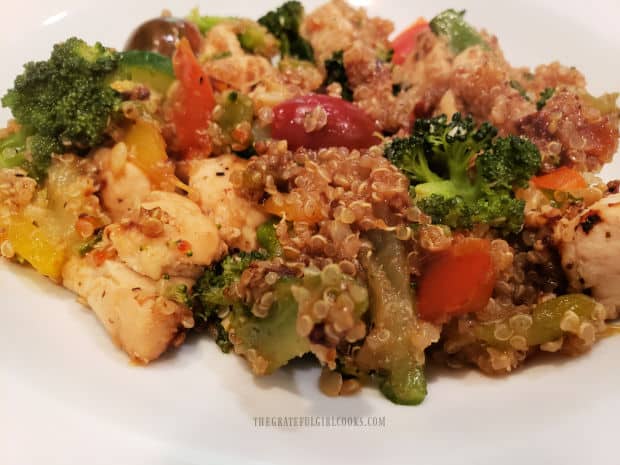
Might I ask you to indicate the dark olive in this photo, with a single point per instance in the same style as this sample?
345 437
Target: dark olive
161 35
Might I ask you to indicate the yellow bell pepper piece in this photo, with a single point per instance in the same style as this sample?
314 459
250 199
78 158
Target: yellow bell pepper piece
147 150
35 246
146 146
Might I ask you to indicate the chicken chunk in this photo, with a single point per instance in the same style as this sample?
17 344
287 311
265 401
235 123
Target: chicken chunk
131 307
220 40
124 185
240 72
170 235
589 245
237 217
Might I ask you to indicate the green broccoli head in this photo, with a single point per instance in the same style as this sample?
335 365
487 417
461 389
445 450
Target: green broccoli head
409 155
267 343
66 98
510 162
214 290
463 175
284 23
40 148
454 144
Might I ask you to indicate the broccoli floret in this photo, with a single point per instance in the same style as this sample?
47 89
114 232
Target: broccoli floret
463 175
408 155
267 343
65 101
334 67
284 23
510 162
452 25
40 147
213 290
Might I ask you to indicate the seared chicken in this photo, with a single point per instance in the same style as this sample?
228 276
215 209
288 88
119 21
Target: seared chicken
590 249
170 235
132 308
235 216
124 185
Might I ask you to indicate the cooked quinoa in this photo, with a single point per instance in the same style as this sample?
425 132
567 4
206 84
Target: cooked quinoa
312 183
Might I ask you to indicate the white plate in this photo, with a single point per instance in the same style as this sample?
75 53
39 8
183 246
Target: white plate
67 396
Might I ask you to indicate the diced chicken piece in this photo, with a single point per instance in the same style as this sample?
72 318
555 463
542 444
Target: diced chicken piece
589 245
272 92
240 72
124 185
220 40
236 217
170 235
131 307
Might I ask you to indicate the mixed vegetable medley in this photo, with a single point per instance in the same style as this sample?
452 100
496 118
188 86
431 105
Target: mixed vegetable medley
311 185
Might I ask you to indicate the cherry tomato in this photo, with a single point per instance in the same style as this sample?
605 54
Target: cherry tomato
347 125
457 281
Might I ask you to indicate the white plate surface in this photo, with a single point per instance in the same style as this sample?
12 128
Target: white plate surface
68 396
